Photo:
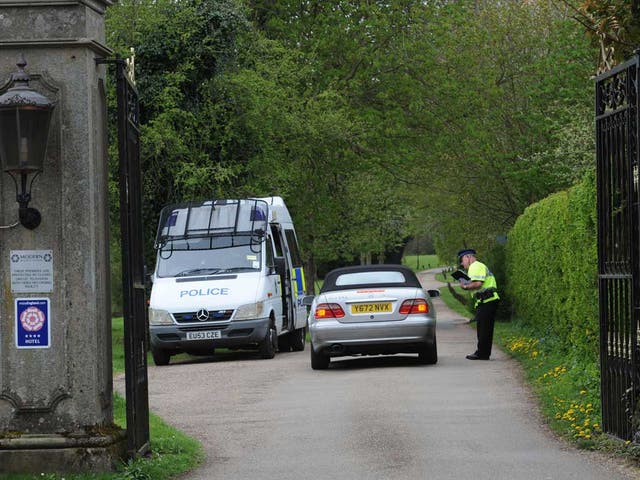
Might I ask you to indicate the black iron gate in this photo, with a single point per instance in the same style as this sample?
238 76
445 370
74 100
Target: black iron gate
133 294
618 247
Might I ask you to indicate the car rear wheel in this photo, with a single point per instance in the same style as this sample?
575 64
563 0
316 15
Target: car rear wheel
269 343
319 361
429 354
296 339
160 357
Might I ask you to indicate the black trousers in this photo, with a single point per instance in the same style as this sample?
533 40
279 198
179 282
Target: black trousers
486 319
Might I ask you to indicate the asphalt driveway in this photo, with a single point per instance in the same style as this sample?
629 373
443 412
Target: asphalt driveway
369 418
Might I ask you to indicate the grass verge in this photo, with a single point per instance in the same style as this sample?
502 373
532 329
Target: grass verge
421 262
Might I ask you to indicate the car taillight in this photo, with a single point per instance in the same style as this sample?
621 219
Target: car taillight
417 305
328 310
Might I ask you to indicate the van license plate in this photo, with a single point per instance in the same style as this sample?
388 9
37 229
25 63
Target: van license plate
208 335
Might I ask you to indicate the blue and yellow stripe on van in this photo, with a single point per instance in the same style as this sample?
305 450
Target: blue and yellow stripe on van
298 281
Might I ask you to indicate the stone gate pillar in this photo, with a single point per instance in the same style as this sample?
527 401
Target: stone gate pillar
56 411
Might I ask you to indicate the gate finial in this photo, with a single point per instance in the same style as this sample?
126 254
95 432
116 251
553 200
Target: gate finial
131 64
607 52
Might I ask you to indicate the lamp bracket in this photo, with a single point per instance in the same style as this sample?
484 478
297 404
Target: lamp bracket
6 227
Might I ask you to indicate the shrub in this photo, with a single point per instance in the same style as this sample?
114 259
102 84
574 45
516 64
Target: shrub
551 268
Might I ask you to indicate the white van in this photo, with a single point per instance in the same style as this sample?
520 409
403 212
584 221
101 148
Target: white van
228 274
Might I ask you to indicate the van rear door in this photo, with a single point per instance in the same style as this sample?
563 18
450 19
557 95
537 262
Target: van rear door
298 281
287 297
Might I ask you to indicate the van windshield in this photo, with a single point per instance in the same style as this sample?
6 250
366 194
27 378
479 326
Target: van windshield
179 258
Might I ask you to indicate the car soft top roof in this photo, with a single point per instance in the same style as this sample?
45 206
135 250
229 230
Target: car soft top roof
330 279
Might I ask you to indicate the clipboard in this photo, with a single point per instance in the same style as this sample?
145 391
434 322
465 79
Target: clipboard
459 274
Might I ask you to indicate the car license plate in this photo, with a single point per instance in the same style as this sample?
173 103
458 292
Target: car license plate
208 335
371 308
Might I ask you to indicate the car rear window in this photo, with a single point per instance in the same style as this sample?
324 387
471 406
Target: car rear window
363 276
359 278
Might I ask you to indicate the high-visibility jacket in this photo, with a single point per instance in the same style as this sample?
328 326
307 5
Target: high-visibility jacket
479 272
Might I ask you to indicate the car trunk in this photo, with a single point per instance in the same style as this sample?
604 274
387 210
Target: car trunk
372 305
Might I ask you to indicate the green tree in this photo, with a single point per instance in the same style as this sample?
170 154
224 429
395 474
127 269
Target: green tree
461 102
179 46
504 80
372 119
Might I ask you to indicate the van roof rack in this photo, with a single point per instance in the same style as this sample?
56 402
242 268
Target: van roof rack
212 218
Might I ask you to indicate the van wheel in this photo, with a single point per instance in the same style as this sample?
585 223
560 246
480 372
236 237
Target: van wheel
160 357
319 361
297 338
268 344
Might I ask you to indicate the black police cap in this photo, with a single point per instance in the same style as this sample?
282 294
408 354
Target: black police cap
466 251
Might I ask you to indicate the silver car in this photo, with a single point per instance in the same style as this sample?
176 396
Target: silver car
372 310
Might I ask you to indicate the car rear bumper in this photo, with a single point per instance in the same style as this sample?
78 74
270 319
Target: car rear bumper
333 338
247 333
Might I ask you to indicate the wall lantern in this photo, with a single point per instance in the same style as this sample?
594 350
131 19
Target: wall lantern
25 116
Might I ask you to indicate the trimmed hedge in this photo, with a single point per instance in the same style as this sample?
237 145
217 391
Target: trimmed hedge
551 269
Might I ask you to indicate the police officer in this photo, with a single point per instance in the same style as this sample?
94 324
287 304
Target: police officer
485 293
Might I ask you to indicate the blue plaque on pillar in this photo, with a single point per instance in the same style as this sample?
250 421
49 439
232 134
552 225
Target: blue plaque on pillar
33 323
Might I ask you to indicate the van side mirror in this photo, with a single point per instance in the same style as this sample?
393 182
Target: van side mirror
281 265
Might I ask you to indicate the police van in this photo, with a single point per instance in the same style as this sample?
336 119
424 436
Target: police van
228 274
